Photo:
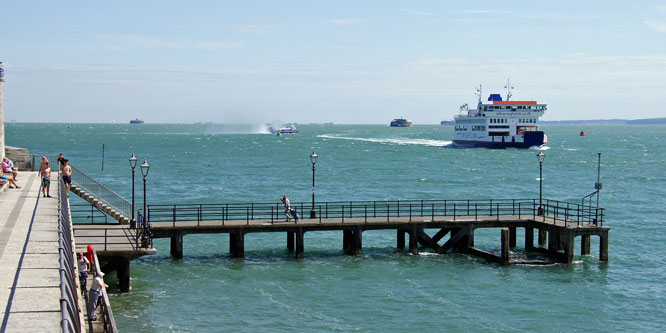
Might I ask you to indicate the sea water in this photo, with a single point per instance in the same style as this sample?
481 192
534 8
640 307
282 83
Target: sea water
385 289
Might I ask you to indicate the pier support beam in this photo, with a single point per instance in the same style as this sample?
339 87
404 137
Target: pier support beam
237 244
568 246
413 241
401 239
553 241
290 241
347 240
542 238
512 237
299 243
504 256
603 247
357 242
123 272
585 245
529 238
177 246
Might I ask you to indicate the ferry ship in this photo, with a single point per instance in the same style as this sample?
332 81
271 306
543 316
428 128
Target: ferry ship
283 130
401 123
136 121
499 124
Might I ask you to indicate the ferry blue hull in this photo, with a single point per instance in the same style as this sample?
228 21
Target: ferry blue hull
531 139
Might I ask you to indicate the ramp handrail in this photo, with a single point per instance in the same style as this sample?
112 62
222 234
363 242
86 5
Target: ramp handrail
69 287
555 210
105 305
101 192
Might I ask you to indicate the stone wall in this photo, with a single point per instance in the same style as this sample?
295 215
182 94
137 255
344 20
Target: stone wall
20 157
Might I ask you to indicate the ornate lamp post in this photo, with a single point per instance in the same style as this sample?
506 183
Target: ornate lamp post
144 171
313 159
540 156
132 162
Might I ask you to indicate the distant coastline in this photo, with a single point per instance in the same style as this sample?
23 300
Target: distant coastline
647 121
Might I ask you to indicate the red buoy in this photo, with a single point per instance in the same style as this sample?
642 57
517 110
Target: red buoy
582 133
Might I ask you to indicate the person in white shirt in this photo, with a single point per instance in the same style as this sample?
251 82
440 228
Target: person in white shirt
94 294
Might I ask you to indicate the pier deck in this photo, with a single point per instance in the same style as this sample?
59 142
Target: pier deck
30 282
557 228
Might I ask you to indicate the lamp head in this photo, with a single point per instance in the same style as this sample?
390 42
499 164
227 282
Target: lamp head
541 156
144 168
132 161
313 158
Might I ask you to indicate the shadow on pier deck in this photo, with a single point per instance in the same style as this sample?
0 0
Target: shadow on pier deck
556 230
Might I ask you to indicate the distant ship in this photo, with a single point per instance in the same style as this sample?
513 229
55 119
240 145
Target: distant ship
136 121
401 123
499 124
447 122
283 130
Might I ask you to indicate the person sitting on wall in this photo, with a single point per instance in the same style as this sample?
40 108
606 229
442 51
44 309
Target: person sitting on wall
8 167
10 179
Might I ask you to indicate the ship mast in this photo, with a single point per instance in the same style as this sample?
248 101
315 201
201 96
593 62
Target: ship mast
508 89
479 93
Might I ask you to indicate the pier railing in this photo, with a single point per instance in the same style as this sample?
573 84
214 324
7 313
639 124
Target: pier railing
558 211
110 238
36 161
101 192
105 305
69 289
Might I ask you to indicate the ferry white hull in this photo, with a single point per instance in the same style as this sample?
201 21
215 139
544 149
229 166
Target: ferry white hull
529 139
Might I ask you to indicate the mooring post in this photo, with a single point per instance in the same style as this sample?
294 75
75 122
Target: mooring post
529 238
413 241
299 243
512 236
177 246
542 238
401 239
504 257
603 247
290 241
585 245
569 246
123 273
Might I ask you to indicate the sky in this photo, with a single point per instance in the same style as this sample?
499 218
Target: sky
359 62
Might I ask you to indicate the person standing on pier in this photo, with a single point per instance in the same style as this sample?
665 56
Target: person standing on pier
84 268
46 180
42 165
61 161
287 207
94 294
67 175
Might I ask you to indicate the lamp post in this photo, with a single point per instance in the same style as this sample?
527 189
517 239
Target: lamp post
313 159
132 161
540 156
144 171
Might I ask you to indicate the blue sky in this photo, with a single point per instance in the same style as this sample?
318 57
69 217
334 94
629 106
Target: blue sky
321 61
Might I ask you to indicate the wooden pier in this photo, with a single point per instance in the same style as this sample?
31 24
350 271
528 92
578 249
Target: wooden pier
427 223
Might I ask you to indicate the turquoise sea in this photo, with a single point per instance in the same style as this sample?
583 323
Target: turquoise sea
385 289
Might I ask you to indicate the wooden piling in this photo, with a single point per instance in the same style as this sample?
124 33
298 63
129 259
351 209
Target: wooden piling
529 238
401 239
357 242
177 246
585 245
512 237
237 244
568 245
553 241
504 256
347 241
542 237
123 273
299 243
413 241
603 246
290 241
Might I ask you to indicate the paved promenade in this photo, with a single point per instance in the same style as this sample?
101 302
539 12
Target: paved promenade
29 276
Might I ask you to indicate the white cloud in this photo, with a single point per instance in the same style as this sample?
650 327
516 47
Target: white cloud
655 26
346 21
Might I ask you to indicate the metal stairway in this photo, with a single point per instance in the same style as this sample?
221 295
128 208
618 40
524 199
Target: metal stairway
101 196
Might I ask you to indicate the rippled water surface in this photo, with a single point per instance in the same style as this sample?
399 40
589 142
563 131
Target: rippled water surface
385 289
